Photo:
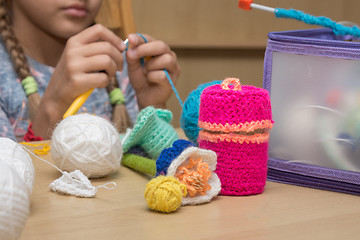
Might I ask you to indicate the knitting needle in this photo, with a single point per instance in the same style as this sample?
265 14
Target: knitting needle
337 28
248 5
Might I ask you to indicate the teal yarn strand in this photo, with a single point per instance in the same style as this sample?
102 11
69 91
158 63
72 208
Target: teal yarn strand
146 41
190 113
166 72
337 28
173 88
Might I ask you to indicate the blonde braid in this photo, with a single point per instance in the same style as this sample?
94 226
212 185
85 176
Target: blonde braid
16 53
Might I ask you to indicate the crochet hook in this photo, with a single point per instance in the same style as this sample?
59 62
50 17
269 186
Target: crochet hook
337 28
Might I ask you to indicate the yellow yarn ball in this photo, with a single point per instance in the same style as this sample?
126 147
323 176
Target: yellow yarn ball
164 194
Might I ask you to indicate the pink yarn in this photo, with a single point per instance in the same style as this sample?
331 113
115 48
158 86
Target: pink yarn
233 107
236 120
242 168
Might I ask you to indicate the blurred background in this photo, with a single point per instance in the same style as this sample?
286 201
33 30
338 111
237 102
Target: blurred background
214 39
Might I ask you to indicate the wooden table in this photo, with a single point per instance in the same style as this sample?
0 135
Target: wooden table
281 212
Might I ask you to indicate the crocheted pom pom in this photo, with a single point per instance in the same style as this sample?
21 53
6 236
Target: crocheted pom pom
87 143
190 114
164 194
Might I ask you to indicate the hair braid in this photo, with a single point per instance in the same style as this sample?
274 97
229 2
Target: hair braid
16 53
120 116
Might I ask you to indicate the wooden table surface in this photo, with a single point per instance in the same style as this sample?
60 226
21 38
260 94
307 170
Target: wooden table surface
281 212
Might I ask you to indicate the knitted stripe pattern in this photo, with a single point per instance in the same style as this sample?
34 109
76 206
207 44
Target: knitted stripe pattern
231 137
152 132
235 123
241 127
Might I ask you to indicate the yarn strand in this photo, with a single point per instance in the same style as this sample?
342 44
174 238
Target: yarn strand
142 60
62 172
42 159
337 28
106 186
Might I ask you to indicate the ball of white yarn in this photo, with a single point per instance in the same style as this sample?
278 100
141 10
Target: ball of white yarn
87 143
16 157
14 203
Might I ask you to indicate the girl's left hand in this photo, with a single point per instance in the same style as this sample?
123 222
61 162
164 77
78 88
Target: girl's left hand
149 81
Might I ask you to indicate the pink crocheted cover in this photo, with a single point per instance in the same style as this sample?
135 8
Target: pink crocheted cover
234 109
236 121
242 168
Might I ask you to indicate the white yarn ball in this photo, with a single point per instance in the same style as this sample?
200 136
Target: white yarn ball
87 143
14 203
16 157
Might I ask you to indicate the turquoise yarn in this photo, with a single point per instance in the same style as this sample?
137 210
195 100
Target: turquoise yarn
190 114
166 72
337 28
152 132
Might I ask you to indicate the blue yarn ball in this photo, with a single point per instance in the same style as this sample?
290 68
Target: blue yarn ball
190 114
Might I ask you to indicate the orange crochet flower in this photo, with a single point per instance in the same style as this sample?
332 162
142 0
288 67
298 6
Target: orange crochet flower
195 175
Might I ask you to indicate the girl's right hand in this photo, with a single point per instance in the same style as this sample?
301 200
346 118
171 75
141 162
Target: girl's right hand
90 59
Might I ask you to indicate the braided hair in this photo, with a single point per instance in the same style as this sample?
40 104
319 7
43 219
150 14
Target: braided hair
120 116
17 54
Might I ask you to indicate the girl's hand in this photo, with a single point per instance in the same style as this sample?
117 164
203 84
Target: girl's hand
149 81
89 60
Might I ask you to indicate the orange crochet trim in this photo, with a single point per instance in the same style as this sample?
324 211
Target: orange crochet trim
233 137
241 127
235 81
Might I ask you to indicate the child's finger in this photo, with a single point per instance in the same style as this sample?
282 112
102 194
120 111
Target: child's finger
165 61
138 39
97 33
103 48
100 63
151 49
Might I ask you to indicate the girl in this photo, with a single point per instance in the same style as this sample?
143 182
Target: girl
50 53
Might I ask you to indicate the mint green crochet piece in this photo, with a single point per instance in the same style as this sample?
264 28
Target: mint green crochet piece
152 132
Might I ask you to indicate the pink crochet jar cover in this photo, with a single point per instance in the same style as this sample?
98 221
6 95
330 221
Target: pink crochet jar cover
235 122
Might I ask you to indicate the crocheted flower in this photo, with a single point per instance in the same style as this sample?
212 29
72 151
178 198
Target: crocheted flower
193 167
